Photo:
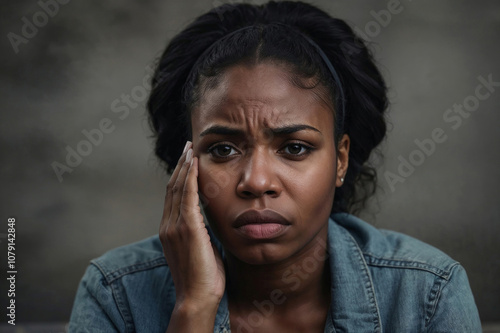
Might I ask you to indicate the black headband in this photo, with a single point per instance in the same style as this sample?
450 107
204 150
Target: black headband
313 43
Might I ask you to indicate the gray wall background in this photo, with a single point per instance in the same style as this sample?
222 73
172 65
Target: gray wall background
66 77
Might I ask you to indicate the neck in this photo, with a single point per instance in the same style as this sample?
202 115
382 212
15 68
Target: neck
303 280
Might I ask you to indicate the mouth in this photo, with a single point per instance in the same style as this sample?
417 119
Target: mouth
262 225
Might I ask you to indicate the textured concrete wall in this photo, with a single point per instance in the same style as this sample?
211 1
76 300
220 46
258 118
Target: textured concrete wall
66 75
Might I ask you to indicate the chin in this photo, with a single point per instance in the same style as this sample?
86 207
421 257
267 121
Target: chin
260 254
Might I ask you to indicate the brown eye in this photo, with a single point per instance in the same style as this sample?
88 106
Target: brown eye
294 149
222 151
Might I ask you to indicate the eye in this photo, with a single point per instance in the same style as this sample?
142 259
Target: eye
222 151
296 149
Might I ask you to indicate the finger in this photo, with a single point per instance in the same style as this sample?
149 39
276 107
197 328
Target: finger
167 207
181 160
178 187
190 200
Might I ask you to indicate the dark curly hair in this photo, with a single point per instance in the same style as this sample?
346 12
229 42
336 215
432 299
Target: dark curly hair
209 45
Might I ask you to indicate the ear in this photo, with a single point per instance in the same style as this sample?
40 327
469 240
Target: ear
342 159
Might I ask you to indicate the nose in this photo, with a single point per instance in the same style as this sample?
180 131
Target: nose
258 176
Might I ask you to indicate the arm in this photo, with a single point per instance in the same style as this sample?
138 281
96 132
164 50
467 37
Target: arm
455 310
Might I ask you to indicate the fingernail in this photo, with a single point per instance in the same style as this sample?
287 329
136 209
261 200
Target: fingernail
186 147
189 155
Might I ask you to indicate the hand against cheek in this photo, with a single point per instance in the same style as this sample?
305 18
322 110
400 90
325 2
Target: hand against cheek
195 264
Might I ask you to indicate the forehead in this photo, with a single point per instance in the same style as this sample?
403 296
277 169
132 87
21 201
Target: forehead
260 95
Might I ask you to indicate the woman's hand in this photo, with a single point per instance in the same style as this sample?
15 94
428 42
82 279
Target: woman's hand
195 264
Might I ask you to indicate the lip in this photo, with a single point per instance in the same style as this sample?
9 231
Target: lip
263 224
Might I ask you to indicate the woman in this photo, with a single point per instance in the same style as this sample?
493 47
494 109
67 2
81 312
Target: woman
267 116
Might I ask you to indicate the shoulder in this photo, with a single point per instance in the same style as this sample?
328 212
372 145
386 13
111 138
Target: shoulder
139 256
411 280
386 248
127 289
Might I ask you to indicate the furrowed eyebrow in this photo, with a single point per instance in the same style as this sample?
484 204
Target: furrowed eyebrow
284 130
292 129
222 130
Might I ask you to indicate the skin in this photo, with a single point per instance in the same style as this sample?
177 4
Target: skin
259 142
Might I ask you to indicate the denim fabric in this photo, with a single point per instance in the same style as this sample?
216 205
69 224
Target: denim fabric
381 281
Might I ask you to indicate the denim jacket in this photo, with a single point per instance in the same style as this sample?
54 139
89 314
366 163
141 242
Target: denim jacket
381 281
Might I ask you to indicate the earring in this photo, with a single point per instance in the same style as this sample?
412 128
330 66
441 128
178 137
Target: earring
341 179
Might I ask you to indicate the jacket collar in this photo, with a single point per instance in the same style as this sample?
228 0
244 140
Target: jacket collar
353 305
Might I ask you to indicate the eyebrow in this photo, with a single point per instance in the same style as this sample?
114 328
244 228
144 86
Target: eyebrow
284 130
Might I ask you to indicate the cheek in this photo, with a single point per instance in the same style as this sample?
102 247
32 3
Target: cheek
313 189
215 181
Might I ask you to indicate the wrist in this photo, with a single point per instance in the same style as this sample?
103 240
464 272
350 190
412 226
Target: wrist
192 316
189 307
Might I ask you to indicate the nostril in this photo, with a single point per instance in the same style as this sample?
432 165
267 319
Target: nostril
247 193
250 194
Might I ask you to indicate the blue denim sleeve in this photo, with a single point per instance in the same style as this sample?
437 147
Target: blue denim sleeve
95 309
455 309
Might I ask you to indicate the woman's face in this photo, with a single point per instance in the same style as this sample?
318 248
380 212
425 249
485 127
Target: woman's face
268 167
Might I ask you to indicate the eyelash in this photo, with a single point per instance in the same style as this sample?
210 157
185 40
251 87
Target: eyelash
307 149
